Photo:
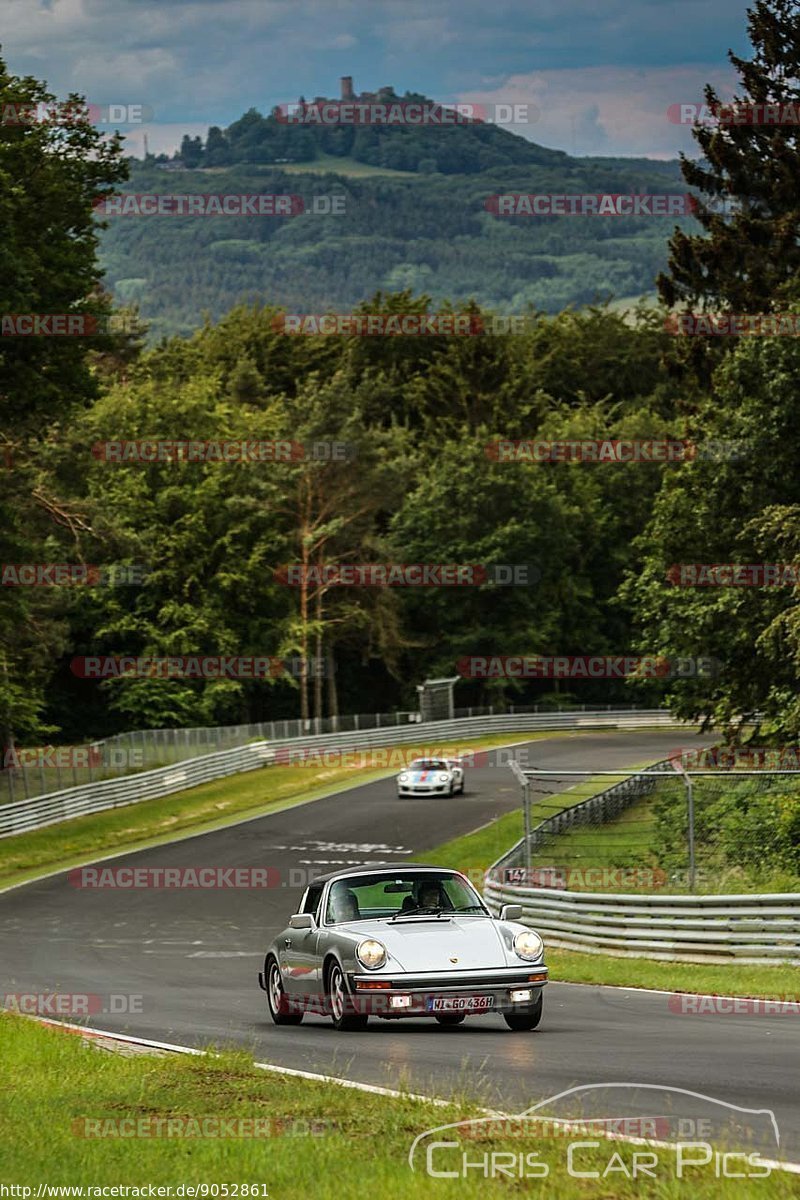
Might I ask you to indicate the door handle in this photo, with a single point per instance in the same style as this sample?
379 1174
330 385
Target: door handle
287 942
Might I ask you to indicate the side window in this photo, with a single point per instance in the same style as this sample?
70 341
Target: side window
312 899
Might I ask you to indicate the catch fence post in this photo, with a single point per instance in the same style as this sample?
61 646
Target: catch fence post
526 808
690 813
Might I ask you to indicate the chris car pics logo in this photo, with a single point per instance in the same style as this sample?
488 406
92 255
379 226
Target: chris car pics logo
608 1132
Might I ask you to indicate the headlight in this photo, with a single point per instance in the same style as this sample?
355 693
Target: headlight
402 778
371 954
443 778
528 945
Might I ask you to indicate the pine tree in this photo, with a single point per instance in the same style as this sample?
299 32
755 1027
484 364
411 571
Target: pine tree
748 260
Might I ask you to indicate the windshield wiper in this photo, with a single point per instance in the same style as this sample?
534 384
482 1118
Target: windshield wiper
470 908
432 910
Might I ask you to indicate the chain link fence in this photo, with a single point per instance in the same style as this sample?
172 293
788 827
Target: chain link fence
663 828
43 771
39 771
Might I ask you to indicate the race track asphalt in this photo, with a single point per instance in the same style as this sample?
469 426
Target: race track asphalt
192 957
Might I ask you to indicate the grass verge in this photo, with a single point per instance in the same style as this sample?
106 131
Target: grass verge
71 843
317 1139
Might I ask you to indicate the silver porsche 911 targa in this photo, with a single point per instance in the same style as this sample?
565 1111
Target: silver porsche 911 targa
403 941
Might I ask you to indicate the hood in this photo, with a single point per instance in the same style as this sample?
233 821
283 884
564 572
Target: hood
418 944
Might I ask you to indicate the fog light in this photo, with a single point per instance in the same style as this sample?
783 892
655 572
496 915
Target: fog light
400 1002
520 994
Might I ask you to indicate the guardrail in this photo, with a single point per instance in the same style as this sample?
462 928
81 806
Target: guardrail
25 815
752 929
749 929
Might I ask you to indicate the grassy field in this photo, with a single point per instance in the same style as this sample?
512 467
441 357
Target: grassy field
71 1115
71 843
478 850
324 164
330 164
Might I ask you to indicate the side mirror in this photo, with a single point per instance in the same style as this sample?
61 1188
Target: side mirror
305 921
511 912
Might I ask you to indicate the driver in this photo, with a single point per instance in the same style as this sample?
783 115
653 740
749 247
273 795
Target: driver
430 895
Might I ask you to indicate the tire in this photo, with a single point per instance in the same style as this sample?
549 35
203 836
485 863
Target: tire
277 1000
340 1002
450 1018
525 1020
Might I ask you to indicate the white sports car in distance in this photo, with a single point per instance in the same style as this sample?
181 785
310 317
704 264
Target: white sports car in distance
431 777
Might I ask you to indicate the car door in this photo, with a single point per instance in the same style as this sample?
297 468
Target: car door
299 953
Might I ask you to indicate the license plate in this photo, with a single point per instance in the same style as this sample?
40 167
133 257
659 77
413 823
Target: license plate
459 1003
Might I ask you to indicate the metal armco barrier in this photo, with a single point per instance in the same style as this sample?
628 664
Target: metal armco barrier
754 929
25 815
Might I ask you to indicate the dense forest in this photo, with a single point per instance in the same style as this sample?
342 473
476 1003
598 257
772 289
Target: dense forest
211 540
432 233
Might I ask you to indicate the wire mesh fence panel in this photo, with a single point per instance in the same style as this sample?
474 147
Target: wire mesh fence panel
744 828
714 831
43 770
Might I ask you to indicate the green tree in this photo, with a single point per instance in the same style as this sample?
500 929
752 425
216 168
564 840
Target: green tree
51 173
743 261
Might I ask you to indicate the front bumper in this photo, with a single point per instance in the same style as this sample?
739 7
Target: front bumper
423 789
511 990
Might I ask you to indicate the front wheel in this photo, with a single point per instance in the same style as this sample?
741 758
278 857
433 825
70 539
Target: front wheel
450 1018
527 1019
341 1003
277 999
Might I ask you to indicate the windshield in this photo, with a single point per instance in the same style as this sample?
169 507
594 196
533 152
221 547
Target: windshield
428 764
365 897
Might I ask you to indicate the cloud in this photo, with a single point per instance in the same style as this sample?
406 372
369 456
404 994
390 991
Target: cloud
602 74
609 110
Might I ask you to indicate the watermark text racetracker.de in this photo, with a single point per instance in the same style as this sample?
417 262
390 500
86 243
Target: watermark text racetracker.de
72 574
208 1126
408 574
600 879
70 113
201 878
611 450
210 878
597 204
198 666
397 757
391 110
167 450
733 758
734 113
71 1004
219 204
56 758
688 1004
730 324
734 574
584 667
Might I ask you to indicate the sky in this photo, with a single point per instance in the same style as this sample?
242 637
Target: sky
599 75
